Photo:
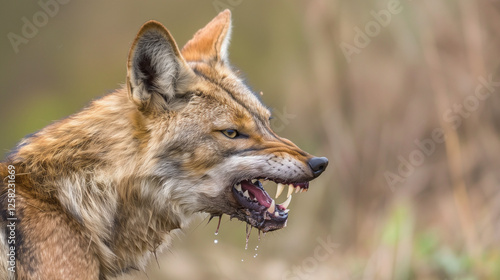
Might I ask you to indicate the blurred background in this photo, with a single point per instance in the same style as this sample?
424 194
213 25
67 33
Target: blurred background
401 96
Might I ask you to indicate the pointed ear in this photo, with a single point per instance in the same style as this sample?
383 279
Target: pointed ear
156 70
211 42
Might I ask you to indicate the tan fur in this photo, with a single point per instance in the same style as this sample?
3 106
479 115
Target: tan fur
205 46
100 192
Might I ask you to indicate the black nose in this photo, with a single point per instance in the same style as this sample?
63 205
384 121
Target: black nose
318 165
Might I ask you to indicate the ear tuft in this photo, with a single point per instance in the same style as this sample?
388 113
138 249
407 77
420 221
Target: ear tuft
212 41
155 67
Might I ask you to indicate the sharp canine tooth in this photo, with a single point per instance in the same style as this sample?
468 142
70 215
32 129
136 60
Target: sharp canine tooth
272 207
279 190
246 194
287 202
286 211
290 190
254 180
297 189
238 187
276 214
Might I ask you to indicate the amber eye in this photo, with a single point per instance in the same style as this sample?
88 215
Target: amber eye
230 133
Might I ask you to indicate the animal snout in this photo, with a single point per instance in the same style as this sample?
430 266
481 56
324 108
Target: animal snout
318 165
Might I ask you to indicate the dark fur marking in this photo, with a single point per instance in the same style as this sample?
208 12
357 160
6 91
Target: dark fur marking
229 92
146 71
18 146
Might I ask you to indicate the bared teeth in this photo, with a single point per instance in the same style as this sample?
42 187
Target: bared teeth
287 202
279 190
290 190
238 187
286 211
272 207
276 214
246 194
297 189
254 180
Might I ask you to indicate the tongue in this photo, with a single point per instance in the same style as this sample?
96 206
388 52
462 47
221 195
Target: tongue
259 194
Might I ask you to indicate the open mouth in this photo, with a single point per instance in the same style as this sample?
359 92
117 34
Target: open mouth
261 211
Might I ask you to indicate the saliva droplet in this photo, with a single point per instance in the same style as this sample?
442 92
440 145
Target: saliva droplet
256 248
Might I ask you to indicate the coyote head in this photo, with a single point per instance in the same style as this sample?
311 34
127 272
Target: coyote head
209 133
